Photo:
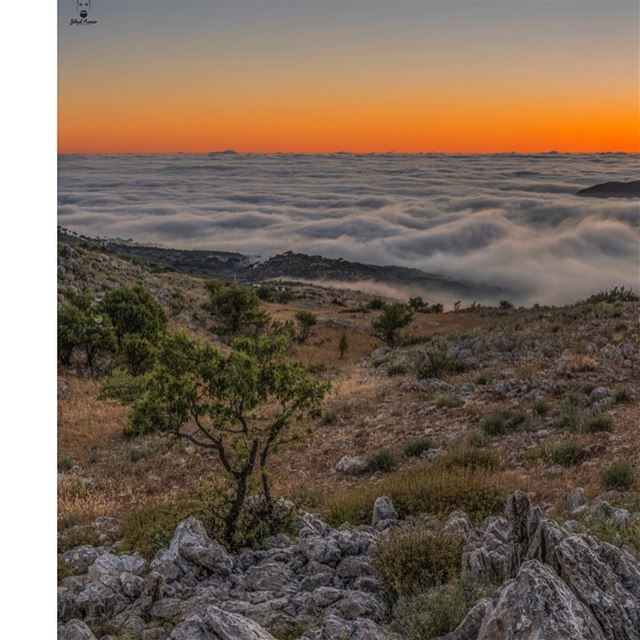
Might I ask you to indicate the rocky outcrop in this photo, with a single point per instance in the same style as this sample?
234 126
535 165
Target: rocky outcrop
558 584
554 584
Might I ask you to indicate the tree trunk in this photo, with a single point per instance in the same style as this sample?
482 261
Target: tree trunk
242 479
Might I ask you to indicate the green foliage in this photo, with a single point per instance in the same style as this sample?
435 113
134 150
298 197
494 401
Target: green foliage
376 304
598 422
381 460
566 453
138 353
235 308
616 294
430 615
428 488
133 310
393 318
571 415
619 475
343 345
448 401
413 558
70 330
396 369
437 363
505 304
627 536
540 407
267 293
418 304
472 458
241 405
306 321
416 448
502 421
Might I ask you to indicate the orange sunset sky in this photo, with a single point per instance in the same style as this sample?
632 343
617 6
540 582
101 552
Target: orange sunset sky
355 75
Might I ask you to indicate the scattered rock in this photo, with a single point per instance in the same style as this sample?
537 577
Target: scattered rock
351 465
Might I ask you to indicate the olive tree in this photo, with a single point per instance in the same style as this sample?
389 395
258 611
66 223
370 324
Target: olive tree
393 318
242 405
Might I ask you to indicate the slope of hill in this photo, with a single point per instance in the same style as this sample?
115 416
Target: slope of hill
612 190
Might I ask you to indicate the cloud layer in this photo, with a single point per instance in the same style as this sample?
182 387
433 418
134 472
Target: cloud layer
511 220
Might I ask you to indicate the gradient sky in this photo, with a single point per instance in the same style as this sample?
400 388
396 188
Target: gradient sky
354 75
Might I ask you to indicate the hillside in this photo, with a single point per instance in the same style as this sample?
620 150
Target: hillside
467 408
612 190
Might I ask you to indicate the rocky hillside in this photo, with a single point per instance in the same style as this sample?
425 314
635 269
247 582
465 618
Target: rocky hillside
395 500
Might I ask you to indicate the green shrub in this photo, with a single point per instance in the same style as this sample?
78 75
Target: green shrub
622 395
429 488
64 464
608 531
416 448
540 407
448 401
376 304
396 369
616 294
381 460
438 363
566 453
414 558
433 614
306 321
393 318
138 354
478 439
619 475
502 420
598 422
571 415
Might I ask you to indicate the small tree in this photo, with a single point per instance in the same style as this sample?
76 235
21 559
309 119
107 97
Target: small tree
343 345
97 335
235 308
242 405
393 318
306 322
70 328
133 310
138 353
418 304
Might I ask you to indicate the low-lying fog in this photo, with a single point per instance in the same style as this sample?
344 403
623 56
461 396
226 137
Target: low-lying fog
511 220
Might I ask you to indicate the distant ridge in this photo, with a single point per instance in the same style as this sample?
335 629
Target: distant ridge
612 190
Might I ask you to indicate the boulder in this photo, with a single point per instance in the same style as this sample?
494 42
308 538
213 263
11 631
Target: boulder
77 630
351 466
383 509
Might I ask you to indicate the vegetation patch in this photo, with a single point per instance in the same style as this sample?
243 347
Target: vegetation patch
502 421
413 558
565 453
619 475
416 448
381 460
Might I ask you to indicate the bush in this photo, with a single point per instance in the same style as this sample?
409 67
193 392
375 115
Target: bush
438 363
566 453
343 345
393 318
502 420
616 294
505 304
472 458
478 439
619 475
598 422
433 614
622 395
134 311
571 415
448 401
540 407
416 448
306 321
428 488
381 460
396 369
138 354
414 558
376 304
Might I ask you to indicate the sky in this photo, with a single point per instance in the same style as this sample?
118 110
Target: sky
317 76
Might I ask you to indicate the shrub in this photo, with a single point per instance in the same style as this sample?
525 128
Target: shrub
438 363
376 304
598 422
306 322
428 488
70 329
609 531
619 475
472 458
448 401
235 308
393 318
64 464
478 439
396 369
622 395
138 354
414 558
134 311
505 304
380 460
566 453
433 614
343 345
502 420
416 448
571 415
540 407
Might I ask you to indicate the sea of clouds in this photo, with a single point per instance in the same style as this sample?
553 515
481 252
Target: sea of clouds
508 220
